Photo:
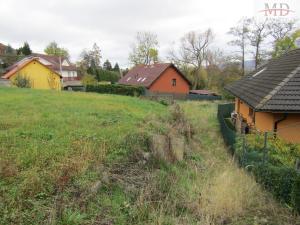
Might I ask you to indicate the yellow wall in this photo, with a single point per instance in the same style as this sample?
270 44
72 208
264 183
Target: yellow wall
40 76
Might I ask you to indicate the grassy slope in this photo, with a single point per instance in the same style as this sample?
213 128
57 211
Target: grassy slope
52 156
48 139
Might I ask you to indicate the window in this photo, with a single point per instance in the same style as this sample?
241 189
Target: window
173 82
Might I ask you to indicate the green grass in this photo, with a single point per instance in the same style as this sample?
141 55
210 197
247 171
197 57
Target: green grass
49 140
74 158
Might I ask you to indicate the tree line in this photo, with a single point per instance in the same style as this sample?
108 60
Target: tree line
210 68
204 65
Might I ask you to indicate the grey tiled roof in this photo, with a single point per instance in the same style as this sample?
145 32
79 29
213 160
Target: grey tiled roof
274 86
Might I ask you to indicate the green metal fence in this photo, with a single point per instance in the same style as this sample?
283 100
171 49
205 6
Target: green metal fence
281 180
229 135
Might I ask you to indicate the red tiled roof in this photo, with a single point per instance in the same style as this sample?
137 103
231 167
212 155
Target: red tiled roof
21 64
54 60
145 75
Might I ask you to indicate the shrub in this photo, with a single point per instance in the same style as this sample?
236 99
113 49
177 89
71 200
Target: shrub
22 81
296 194
89 80
105 75
116 89
277 180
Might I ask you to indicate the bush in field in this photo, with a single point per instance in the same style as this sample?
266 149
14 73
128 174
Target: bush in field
116 89
89 80
22 81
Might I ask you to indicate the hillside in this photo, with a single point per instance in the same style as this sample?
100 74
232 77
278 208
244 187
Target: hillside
78 158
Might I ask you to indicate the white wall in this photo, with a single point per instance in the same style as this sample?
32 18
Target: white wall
68 73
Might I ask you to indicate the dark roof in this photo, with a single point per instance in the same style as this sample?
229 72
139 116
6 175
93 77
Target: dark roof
274 86
203 92
145 75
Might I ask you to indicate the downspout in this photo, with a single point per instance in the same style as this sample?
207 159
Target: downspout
277 122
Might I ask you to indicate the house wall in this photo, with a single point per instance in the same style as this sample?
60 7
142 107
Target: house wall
264 121
41 77
66 73
289 129
164 83
243 110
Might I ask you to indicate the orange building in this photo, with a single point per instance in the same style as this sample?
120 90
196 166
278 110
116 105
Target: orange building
268 99
158 78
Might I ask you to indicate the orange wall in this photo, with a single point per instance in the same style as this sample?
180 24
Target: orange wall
264 121
289 129
243 109
164 83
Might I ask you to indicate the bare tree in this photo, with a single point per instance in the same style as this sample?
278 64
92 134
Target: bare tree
259 31
144 51
281 28
193 51
241 34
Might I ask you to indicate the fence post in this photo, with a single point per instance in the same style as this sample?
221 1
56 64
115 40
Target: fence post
244 149
265 148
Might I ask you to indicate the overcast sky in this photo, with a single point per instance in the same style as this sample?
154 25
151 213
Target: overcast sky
112 24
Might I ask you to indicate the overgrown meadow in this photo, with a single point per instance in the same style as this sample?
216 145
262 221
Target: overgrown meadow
78 158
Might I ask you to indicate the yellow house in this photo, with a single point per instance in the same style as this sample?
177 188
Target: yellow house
39 75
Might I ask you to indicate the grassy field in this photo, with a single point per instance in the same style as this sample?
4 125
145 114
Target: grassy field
78 158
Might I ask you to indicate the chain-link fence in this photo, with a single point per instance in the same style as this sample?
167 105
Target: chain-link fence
229 134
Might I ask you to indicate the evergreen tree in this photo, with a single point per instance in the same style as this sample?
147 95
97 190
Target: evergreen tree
107 65
25 50
116 68
9 49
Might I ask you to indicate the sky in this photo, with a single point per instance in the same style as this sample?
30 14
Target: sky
113 24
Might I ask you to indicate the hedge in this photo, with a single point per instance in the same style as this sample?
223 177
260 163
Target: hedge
116 89
278 180
282 181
